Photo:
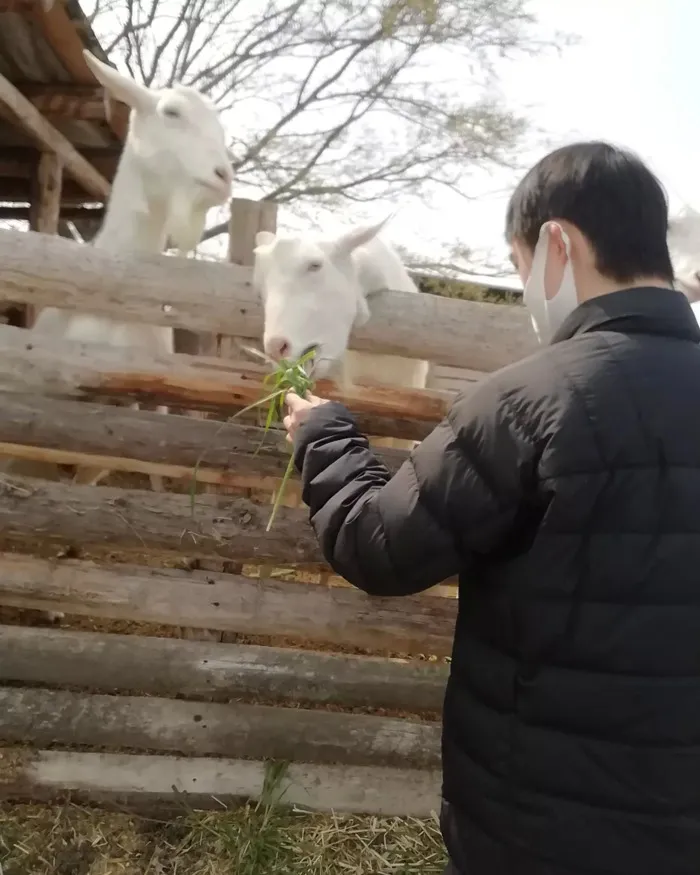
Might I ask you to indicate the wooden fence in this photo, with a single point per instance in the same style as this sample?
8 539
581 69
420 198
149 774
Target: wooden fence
296 666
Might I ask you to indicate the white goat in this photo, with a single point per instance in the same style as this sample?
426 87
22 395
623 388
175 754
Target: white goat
174 167
315 291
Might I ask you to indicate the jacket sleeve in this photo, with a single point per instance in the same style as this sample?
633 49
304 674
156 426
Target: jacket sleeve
456 496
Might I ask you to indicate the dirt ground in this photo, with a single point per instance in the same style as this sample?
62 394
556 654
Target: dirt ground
71 840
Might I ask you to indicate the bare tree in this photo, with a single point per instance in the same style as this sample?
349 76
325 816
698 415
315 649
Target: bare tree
328 100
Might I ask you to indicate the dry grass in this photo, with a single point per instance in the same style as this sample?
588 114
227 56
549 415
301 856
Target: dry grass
70 840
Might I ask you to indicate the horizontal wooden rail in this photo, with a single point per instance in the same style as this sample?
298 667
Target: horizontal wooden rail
58 717
342 616
38 516
46 366
205 296
108 663
147 442
176 783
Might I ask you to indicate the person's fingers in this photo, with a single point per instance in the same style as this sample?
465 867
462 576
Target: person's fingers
289 439
293 401
287 422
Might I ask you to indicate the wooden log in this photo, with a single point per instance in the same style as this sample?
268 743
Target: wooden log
153 289
115 663
52 140
45 204
133 780
19 162
44 718
36 515
66 35
235 455
247 218
62 101
49 366
75 214
341 616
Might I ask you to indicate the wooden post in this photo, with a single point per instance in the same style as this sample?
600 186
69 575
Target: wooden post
247 218
45 208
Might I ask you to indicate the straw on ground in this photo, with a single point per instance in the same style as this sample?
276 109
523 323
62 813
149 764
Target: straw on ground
69 840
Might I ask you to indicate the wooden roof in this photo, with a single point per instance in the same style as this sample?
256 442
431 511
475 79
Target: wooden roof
41 64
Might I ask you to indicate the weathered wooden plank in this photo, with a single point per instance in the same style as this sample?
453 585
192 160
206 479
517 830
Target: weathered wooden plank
341 616
107 663
36 514
45 718
49 366
152 289
46 200
137 780
243 454
52 140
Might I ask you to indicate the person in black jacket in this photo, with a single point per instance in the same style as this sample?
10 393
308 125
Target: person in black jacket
564 490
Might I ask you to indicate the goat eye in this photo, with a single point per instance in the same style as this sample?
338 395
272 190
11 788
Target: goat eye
171 112
313 266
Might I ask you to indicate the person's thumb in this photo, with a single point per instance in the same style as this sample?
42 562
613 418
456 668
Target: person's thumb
293 401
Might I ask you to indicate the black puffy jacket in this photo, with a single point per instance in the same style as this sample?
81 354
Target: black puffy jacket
565 492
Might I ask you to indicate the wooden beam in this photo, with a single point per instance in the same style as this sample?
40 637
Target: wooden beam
38 516
45 205
236 451
71 213
80 102
339 616
177 783
157 290
46 198
69 369
50 139
17 163
44 718
247 217
19 191
190 669
64 37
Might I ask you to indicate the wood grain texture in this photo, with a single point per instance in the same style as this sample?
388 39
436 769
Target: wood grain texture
174 783
52 140
341 616
44 718
152 289
236 450
36 514
115 663
55 367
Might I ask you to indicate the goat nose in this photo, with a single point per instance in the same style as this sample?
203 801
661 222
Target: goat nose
277 347
223 172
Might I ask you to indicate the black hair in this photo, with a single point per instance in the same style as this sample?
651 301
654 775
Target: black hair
610 196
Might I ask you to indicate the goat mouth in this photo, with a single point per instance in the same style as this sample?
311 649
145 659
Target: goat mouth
221 189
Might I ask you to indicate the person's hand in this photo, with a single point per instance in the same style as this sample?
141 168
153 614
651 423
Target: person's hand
299 410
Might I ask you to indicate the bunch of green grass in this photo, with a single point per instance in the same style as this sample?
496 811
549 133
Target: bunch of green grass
288 375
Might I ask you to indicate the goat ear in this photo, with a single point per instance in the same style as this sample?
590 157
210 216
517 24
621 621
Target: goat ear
120 87
351 240
265 238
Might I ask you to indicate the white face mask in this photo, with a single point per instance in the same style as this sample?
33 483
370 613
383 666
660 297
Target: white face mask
548 315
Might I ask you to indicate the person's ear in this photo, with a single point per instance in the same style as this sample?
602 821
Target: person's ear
558 254
558 245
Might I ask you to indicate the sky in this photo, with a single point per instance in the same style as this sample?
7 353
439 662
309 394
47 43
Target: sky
632 79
